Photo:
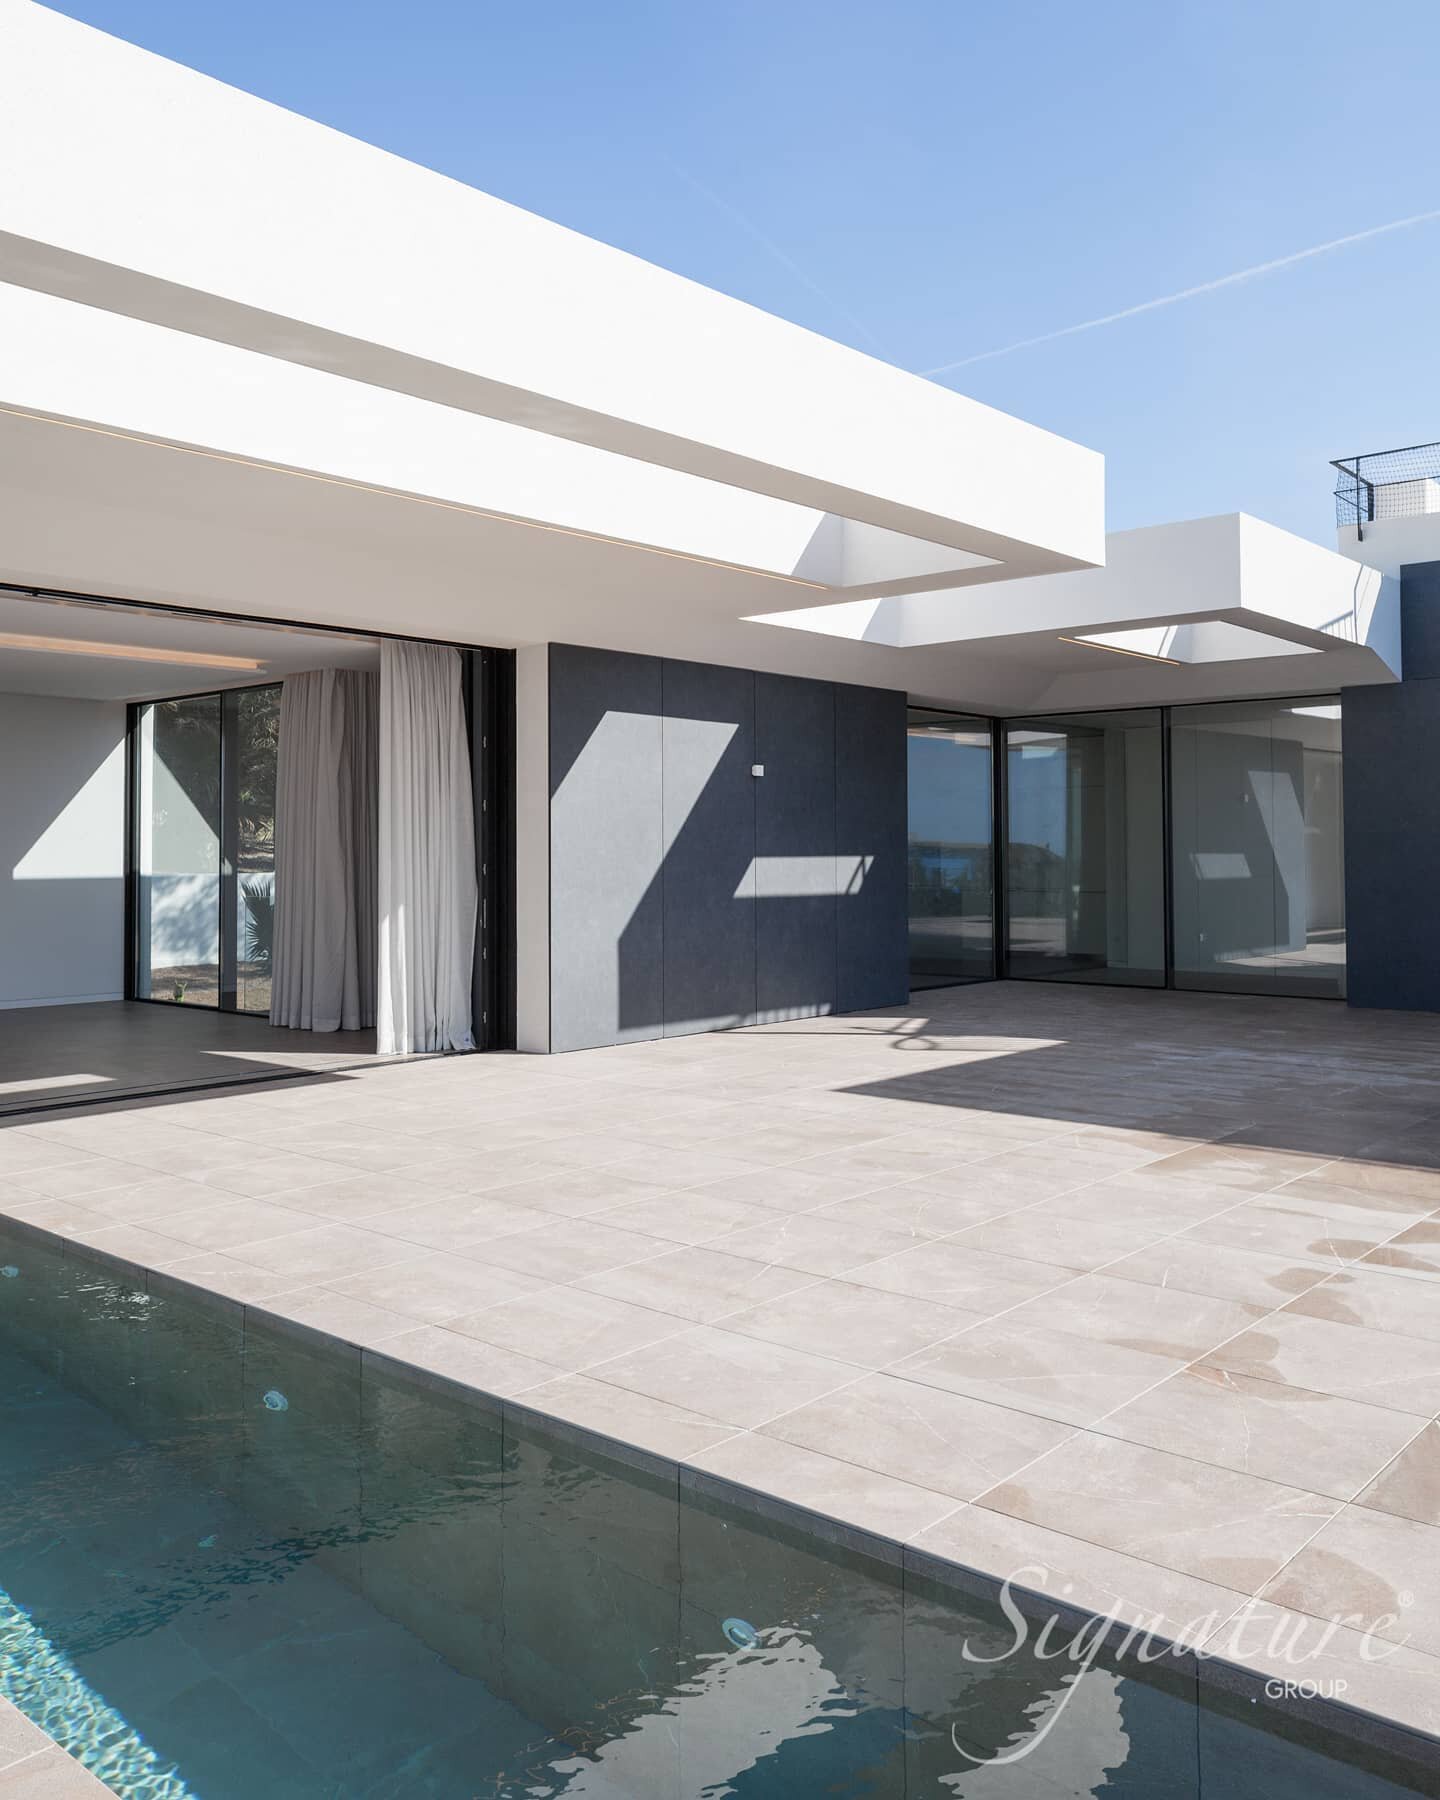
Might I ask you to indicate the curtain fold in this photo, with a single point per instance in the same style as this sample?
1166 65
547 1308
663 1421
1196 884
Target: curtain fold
323 961
427 885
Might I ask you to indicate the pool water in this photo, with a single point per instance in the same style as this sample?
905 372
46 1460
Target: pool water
239 1562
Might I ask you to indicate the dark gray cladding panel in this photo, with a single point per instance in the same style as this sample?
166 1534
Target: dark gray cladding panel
686 893
872 967
605 847
1420 621
707 747
794 847
1392 844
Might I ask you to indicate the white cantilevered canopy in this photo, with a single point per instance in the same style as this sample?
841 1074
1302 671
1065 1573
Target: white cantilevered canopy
1206 609
247 363
537 375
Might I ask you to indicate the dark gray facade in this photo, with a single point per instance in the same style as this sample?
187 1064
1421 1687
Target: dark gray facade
687 893
1392 815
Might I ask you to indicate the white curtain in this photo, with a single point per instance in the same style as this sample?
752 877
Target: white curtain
323 955
427 852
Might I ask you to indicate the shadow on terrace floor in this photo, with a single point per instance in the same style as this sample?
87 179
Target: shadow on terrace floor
81 1057
1309 1076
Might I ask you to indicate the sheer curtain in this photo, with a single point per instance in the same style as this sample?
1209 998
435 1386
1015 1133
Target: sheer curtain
323 958
427 852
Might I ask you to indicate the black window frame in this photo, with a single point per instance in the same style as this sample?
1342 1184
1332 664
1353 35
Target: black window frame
1000 816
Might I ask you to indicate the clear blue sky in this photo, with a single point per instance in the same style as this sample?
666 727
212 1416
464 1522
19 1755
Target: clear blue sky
932 179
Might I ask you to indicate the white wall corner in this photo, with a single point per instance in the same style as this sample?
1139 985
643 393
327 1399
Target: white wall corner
532 849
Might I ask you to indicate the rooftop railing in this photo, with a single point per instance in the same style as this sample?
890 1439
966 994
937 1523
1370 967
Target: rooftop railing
1387 484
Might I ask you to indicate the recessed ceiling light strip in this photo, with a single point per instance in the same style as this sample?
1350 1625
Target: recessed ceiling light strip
146 653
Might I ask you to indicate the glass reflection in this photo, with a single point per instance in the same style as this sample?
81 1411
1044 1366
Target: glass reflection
178 889
257 737
1085 865
951 849
1258 828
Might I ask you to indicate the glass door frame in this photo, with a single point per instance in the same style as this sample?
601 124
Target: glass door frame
998 946
1158 718
229 846
1000 814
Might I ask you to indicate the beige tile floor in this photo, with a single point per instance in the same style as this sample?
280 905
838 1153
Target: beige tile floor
34 1768
1141 1291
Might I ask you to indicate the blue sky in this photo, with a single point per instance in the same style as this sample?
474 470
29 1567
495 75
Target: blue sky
933 179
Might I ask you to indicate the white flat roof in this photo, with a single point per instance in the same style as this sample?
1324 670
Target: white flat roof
157 194
251 365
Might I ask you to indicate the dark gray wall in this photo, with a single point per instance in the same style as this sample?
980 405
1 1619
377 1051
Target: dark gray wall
1420 621
795 901
872 954
1392 815
605 824
686 894
708 972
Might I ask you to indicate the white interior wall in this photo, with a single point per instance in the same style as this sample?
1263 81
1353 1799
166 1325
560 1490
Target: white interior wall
62 849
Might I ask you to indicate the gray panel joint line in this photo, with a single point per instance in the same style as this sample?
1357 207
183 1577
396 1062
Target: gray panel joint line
835 834
663 1021
761 755
548 793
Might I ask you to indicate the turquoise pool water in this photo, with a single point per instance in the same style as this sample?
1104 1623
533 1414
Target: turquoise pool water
237 1563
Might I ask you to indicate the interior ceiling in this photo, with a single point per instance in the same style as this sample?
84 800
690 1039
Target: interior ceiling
104 514
95 676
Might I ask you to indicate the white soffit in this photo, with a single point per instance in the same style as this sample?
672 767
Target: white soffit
148 191
1206 640
76 366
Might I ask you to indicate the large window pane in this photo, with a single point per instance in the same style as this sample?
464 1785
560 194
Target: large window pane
1258 833
205 848
1085 861
951 850
178 851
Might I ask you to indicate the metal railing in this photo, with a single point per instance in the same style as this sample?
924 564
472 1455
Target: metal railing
1387 484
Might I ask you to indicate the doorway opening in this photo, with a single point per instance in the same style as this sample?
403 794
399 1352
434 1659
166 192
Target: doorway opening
164 927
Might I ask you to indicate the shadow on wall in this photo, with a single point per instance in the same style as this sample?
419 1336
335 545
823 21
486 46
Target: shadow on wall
62 836
688 893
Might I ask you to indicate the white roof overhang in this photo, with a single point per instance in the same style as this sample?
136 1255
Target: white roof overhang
1212 606
598 386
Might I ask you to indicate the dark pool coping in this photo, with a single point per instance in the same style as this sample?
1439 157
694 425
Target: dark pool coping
1215 1677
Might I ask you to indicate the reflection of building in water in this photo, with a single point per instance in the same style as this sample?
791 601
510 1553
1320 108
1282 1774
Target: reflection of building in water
736 1710
1073 1740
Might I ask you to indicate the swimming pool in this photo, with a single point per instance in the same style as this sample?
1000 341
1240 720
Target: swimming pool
241 1562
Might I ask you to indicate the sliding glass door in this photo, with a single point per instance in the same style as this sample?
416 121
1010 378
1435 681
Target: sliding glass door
202 801
1258 847
178 856
1085 860
951 855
